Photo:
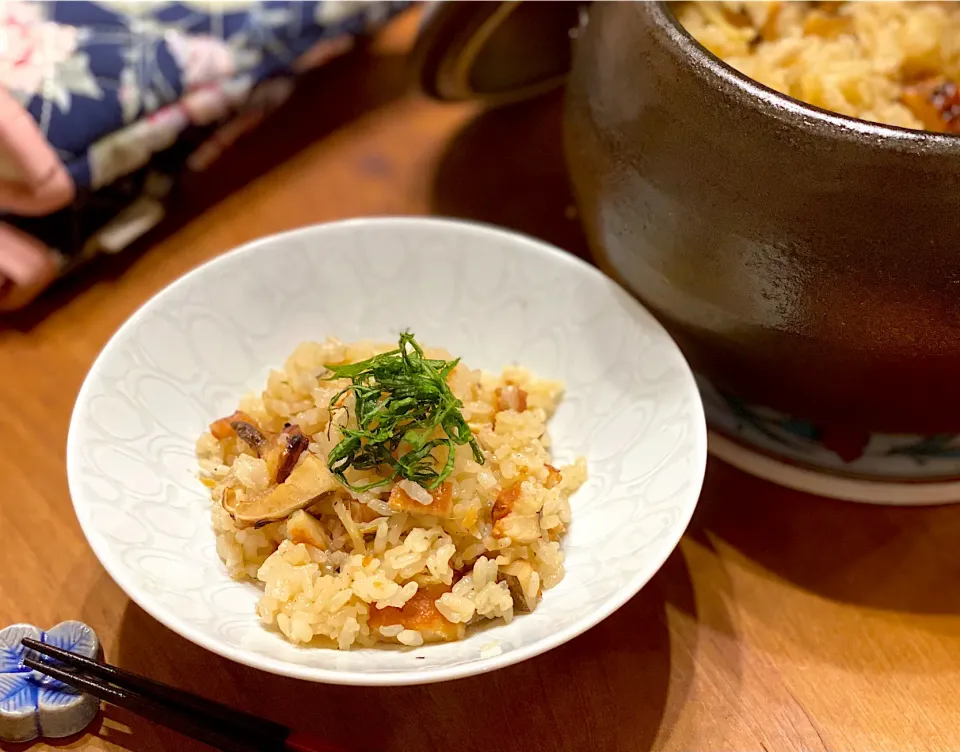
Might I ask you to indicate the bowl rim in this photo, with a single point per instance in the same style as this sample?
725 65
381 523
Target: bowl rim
157 611
804 116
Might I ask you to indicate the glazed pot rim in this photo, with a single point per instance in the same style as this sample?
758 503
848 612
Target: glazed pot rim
751 93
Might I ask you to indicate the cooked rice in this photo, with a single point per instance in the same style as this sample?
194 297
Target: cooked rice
854 58
377 558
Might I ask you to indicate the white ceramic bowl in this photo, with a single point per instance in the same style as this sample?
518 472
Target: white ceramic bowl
491 296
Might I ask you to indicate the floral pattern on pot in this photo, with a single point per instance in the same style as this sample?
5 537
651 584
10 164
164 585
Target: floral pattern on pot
831 449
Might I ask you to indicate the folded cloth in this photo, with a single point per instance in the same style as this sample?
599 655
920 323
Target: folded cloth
104 106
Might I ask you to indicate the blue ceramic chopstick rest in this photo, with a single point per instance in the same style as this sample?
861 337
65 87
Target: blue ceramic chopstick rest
32 704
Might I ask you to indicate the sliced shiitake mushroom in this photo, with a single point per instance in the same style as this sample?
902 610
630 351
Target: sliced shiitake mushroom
520 603
249 433
283 451
292 444
512 576
307 482
243 427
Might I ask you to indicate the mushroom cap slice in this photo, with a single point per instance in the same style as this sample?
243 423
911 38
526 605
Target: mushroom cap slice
514 574
309 480
283 457
250 434
520 603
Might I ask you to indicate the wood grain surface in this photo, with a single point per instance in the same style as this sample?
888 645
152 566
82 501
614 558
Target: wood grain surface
782 622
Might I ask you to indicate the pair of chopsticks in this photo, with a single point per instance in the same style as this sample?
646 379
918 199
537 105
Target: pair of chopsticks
201 719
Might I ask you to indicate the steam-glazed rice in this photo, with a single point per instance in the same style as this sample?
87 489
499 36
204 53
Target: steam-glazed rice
395 563
890 62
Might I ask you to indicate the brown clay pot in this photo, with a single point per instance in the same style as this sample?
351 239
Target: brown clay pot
804 261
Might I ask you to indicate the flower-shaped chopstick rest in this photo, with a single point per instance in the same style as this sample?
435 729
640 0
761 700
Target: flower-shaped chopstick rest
32 704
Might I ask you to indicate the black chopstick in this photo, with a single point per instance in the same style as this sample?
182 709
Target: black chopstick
195 728
237 719
204 720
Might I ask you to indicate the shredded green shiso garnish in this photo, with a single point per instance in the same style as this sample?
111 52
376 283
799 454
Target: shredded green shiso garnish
401 399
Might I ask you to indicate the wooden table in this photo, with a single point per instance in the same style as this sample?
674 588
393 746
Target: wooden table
782 622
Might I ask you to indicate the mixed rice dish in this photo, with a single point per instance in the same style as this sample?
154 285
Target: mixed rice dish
389 494
889 62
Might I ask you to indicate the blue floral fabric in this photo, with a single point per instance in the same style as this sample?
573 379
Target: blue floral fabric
130 95
125 61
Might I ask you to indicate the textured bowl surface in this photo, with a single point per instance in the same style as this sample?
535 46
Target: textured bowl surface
490 296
